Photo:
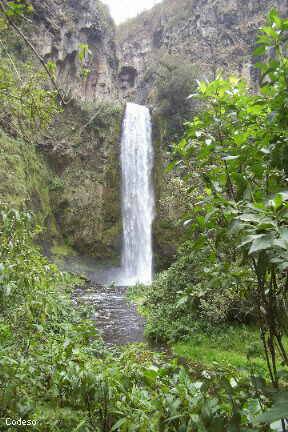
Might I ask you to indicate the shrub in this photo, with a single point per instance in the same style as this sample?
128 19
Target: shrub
183 297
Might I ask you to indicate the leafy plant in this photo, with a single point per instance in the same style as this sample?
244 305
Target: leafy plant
27 108
237 146
84 53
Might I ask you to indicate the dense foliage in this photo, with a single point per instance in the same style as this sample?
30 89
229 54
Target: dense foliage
235 262
27 106
173 78
55 371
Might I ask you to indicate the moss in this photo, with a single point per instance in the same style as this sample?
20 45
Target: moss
62 250
24 179
167 232
83 149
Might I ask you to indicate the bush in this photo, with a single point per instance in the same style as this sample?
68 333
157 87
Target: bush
184 296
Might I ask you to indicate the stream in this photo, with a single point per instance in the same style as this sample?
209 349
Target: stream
115 317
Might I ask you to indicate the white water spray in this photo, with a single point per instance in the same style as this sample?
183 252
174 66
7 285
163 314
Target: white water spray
137 195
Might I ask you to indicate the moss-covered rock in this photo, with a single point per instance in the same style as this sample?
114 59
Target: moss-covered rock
172 195
83 149
24 181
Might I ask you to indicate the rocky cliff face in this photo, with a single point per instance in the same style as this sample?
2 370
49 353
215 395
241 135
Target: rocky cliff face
211 34
71 180
82 145
82 148
58 30
25 181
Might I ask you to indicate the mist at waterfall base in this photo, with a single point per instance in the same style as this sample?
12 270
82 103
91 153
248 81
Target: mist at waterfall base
137 196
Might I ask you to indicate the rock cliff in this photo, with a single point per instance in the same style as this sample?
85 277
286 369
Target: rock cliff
82 149
211 34
58 30
73 184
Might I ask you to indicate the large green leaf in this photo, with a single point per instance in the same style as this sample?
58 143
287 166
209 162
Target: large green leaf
276 412
260 50
249 217
261 243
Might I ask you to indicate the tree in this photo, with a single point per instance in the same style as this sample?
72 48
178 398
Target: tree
237 145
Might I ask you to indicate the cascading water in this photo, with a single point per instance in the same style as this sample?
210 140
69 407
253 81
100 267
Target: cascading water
137 195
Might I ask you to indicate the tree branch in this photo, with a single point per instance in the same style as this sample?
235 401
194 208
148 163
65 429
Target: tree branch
33 49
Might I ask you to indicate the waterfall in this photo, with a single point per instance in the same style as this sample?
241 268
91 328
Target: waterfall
137 195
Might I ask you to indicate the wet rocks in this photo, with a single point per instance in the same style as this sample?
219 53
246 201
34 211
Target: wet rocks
116 319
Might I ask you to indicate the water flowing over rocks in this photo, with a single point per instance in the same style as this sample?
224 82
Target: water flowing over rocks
115 316
116 319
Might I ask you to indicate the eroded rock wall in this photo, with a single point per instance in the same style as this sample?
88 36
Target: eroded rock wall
211 34
58 30
82 148
71 178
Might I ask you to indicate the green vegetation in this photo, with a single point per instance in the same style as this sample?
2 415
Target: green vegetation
27 108
227 285
85 186
56 372
62 250
60 161
175 78
24 179
233 266
230 346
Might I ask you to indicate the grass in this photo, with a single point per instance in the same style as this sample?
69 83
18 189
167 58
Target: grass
236 346
228 347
